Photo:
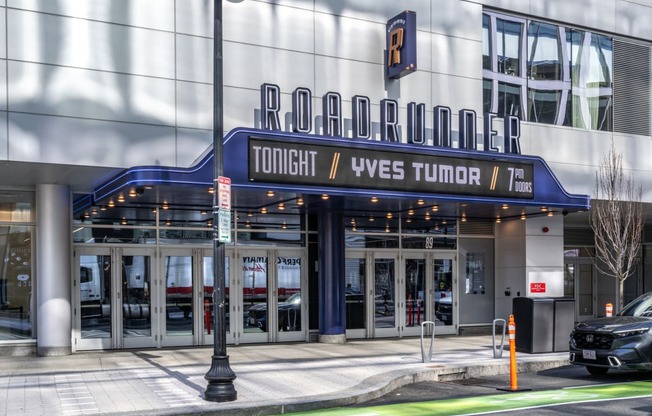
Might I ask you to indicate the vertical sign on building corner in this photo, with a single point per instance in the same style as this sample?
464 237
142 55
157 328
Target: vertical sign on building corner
401 44
224 209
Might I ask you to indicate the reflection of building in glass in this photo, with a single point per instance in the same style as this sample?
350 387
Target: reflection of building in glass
547 73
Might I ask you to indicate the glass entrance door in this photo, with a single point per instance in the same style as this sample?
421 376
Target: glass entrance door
385 293
124 299
581 272
94 299
179 280
357 315
291 309
427 292
253 290
272 296
413 292
205 326
444 300
139 307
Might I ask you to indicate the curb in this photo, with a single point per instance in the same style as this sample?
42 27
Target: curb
374 387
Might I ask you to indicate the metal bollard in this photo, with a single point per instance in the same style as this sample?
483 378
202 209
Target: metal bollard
424 358
498 352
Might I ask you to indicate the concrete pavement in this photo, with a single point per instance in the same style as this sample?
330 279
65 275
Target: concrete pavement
271 378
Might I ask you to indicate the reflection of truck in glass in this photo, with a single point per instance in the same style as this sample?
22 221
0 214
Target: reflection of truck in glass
90 287
135 288
178 286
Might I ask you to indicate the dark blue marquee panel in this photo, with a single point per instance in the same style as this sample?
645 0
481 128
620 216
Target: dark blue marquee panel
311 164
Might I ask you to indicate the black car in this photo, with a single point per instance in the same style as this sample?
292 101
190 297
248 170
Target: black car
622 342
289 314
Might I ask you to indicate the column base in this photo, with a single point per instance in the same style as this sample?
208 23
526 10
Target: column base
332 339
53 351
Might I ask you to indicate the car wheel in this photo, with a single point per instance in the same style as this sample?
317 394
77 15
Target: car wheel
596 371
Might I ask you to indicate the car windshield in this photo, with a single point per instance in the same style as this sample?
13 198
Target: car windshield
294 299
641 306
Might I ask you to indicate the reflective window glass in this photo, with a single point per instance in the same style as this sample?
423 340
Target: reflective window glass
600 62
568 76
509 47
509 100
486 42
544 52
16 206
359 240
16 283
356 301
543 105
95 296
487 95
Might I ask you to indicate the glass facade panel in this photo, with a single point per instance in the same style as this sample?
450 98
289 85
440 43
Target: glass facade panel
443 275
185 236
415 286
508 36
288 272
136 296
208 280
16 206
486 44
544 52
113 235
178 295
356 304
385 289
487 95
266 238
16 282
569 73
254 293
543 106
95 296
359 240
428 242
509 100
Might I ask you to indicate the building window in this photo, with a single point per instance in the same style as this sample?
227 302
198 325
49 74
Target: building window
508 36
557 74
16 277
509 100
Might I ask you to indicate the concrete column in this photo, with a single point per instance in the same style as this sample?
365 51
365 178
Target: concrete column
53 270
332 306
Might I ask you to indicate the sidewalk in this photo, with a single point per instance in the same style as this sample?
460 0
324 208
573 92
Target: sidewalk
271 378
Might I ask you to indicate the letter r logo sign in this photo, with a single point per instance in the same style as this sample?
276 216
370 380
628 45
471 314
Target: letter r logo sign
395 45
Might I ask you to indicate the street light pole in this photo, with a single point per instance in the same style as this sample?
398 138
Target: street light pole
220 376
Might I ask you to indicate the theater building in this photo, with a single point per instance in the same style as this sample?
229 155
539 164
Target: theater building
384 165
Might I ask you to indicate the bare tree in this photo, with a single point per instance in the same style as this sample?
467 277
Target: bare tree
617 220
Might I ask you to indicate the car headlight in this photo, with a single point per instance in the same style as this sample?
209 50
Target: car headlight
631 332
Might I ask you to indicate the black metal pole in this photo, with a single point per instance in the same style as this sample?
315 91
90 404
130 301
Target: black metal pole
220 376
